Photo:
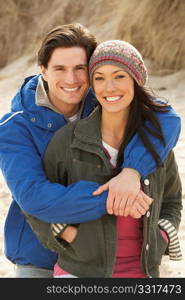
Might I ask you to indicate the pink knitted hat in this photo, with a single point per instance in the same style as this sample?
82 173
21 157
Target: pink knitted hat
122 54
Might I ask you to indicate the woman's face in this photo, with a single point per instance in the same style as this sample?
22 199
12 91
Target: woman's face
114 88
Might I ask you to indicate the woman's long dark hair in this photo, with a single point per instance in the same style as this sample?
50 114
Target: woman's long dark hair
144 122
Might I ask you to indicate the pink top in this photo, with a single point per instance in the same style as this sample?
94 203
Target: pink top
128 252
129 246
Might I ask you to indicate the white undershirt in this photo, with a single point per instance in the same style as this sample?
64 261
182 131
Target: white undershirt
73 118
112 152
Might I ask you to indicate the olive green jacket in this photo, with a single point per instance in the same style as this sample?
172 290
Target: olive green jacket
92 252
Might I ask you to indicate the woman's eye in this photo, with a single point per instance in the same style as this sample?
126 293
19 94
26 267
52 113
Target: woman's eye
98 78
120 76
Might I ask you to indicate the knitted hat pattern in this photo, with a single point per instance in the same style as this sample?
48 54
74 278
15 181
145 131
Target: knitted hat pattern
121 54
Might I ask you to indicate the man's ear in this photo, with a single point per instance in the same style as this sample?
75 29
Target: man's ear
43 71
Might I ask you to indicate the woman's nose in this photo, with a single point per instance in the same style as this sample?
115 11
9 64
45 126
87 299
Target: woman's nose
109 86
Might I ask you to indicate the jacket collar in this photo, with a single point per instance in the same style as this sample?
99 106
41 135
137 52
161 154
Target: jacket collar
87 136
93 134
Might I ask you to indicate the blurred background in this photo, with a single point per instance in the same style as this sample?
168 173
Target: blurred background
156 28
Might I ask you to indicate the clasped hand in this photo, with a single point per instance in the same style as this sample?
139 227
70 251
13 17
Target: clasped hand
125 196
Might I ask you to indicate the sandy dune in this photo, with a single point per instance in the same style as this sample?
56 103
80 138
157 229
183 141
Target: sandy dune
171 86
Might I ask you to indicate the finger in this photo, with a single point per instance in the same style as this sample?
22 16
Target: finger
110 202
139 208
142 203
128 204
136 214
145 197
101 189
116 205
121 211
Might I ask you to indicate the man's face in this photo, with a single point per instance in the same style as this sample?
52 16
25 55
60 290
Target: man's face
67 78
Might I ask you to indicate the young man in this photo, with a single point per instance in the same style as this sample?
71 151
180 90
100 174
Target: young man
45 103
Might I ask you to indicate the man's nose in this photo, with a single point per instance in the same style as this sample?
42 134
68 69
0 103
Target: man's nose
70 77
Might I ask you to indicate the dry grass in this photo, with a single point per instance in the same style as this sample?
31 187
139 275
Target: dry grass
156 28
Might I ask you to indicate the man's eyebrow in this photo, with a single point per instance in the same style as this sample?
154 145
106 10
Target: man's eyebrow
63 66
58 66
82 65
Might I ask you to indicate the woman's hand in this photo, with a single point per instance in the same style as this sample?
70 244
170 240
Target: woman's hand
141 205
69 233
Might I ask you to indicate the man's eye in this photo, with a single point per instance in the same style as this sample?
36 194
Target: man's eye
81 68
59 69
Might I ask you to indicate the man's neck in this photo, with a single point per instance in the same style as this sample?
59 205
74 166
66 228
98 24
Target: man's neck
67 110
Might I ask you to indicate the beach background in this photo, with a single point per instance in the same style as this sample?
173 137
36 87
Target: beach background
156 28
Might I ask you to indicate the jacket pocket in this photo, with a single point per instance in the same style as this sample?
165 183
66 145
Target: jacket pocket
91 171
157 247
89 243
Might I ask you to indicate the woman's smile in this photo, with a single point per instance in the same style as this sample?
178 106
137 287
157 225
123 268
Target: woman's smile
113 99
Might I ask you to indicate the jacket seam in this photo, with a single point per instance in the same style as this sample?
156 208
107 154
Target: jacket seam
10 117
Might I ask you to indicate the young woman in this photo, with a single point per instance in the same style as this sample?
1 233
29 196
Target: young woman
91 149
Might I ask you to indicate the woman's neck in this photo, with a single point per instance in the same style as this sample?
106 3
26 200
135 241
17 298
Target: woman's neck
113 127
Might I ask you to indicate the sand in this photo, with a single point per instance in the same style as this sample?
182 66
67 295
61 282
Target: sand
171 86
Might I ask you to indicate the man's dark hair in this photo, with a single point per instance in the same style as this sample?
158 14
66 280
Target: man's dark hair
66 36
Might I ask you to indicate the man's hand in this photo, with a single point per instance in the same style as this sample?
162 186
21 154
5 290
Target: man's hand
123 190
69 233
125 197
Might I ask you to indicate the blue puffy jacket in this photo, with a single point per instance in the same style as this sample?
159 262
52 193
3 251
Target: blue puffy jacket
24 135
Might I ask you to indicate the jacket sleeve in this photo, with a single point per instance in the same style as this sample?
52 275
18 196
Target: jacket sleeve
172 195
136 156
170 215
22 168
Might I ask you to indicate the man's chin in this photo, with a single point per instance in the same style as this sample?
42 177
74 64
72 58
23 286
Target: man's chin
75 99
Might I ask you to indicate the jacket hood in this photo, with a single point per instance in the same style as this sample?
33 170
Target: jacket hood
39 116
25 97
42 116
